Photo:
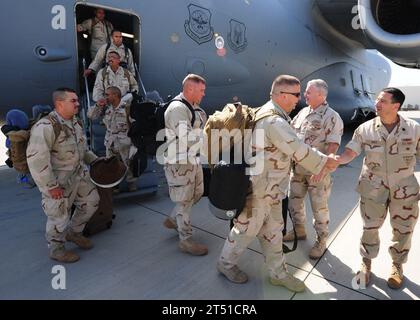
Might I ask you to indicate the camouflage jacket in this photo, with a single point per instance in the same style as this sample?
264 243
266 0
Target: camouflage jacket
101 55
273 154
99 31
116 122
124 80
318 128
48 155
390 160
178 114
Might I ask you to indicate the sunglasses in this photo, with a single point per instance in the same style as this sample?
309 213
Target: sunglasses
296 94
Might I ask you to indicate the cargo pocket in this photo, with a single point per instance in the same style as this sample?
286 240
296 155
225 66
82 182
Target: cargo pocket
55 208
378 194
406 192
180 182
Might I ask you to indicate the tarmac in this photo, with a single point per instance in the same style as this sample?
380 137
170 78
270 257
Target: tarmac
138 258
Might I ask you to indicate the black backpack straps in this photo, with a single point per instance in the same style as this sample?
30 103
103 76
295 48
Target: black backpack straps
126 54
191 109
104 62
107 30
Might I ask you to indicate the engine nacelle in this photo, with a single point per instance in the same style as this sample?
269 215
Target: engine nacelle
390 26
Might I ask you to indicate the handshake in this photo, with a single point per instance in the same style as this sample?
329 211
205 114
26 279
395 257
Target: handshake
331 165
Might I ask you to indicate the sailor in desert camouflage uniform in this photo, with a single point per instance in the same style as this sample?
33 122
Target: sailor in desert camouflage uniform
319 126
183 170
114 75
117 123
391 144
262 216
57 155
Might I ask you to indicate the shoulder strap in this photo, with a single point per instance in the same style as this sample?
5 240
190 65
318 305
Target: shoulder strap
56 125
92 25
108 45
190 107
103 77
106 28
126 74
262 116
126 53
127 114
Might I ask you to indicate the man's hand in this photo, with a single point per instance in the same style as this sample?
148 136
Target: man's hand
330 166
318 177
101 102
87 72
332 163
56 193
79 28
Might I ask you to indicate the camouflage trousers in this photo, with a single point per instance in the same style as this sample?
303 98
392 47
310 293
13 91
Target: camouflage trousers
403 217
122 152
81 193
319 193
185 183
261 218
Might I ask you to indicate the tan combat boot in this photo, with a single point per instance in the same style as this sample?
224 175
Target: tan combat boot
365 271
58 252
170 223
191 247
300 232
289 282
81 241
396 277
318 249
233 274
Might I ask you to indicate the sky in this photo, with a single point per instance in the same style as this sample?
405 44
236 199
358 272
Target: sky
404 76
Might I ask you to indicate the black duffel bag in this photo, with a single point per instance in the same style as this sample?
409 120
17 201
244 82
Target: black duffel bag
229 186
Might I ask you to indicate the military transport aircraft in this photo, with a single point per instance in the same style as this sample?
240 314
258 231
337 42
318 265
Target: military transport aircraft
239 46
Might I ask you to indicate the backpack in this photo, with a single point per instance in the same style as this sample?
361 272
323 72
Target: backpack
149 119
19 139
229 183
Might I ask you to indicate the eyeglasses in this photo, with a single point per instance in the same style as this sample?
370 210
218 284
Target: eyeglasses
73 100
296 94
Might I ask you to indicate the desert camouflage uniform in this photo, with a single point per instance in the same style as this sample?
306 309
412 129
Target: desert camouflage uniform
262 216
102 55
316 128
121 79
183 169
116 141
387 182
100 33
61 162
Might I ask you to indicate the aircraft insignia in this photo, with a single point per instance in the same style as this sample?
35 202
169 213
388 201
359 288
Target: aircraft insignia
236 36
198 26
